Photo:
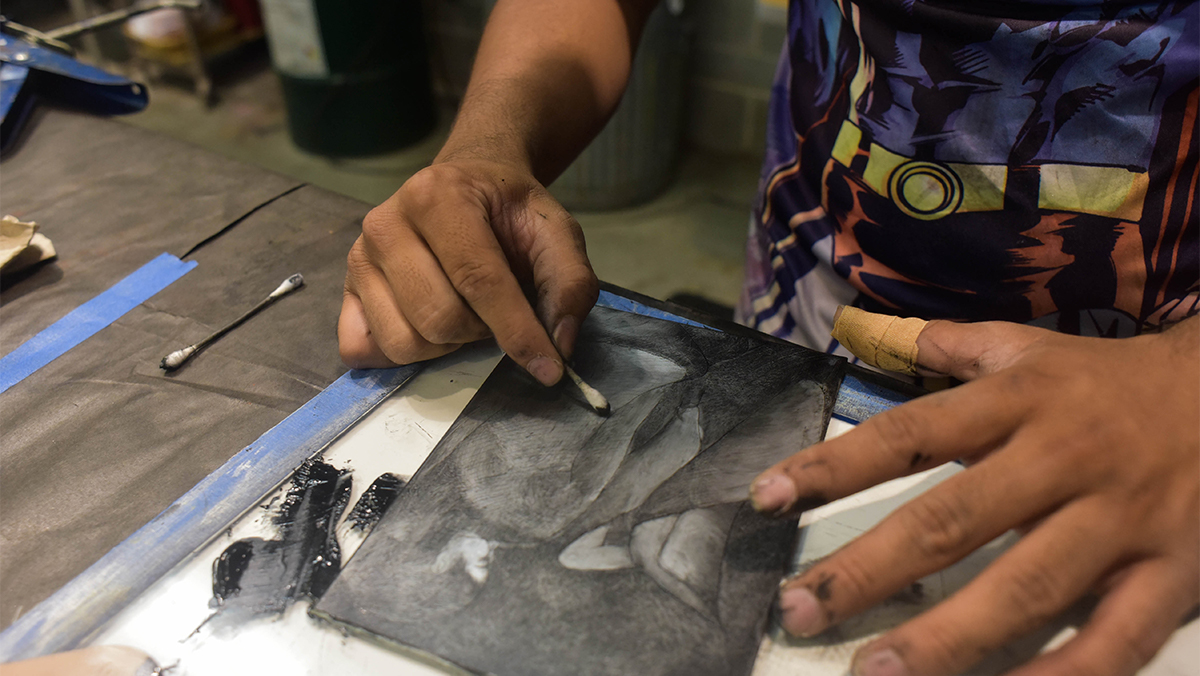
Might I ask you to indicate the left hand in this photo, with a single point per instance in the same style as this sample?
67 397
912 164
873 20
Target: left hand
1091 444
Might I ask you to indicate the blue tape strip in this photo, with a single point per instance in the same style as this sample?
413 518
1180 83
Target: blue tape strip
611 300
858 400
73 613
84 321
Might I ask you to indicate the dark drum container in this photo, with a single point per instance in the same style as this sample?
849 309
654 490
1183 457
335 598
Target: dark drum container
355 74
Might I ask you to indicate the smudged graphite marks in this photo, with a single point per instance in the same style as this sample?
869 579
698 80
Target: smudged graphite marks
256 576
540 539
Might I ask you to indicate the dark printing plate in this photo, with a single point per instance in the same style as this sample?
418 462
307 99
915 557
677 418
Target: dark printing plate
542 538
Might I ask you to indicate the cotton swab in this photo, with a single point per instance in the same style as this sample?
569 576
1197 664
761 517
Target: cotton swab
179 357
593 396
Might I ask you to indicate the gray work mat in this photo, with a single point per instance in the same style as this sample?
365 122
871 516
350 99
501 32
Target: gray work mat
99 441
542 538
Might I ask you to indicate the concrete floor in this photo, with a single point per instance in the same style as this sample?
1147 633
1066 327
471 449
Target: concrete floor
689 240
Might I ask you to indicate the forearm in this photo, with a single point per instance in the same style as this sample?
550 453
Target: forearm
546 78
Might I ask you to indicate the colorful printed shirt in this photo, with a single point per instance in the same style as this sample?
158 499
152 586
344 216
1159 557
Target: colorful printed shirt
1025 161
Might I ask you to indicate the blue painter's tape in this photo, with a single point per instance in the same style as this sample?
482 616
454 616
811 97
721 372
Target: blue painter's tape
858 400
611 300
84 321
73 613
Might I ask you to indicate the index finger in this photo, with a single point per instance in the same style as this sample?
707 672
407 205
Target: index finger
474 262
968 420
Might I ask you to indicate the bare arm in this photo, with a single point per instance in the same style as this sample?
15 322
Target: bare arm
451 256
546 78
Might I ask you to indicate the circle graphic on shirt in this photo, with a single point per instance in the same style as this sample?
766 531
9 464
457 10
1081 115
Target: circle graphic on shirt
925 190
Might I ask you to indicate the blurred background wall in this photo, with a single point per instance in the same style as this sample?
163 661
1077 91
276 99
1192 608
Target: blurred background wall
685 241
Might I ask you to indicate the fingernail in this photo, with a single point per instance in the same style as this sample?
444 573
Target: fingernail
772 494
547 371
885 662
564 335
800 612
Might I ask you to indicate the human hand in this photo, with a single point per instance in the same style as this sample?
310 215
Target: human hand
1090 445
448 259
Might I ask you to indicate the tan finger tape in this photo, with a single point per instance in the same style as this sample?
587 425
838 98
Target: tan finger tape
884 341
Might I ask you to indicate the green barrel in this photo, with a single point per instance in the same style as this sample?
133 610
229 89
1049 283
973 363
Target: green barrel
355 74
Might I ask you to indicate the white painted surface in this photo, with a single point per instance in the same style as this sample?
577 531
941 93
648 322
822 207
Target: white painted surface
395 438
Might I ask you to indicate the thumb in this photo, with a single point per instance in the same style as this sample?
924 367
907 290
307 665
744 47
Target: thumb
563 278
914 346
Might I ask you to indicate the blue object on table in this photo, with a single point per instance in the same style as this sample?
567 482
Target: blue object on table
29 73
86 320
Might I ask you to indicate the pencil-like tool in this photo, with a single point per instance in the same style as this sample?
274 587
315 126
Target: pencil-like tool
593 396
179 357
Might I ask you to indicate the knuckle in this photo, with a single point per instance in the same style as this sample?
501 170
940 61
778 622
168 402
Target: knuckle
441 323
938 524
584 288
854 580
423 184
476 279
945 649
354 355
899 431
425 188
1136 647
1033 593
814 472
357 260
377 224
398 350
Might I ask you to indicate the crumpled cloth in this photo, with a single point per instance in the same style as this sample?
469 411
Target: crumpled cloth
21 245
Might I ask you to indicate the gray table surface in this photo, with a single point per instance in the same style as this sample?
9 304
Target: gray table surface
99 441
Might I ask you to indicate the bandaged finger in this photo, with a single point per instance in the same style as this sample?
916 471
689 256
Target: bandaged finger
879 340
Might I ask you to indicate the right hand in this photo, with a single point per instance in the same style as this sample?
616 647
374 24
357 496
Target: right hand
448 259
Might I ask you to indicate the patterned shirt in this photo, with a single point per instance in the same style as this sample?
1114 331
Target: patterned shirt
1026 161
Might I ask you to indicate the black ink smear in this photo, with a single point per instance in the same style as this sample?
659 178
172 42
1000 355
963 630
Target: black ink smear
257 577
228 569
375 501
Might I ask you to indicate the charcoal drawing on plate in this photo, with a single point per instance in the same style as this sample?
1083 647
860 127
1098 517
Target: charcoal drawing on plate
542 538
